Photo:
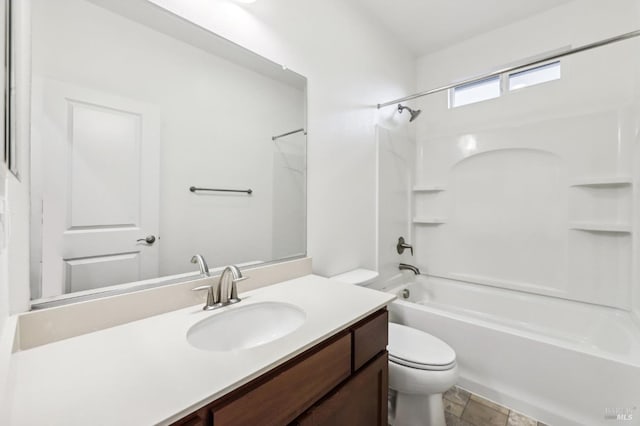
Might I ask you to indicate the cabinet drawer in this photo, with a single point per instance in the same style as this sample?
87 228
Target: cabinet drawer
370 337
285 396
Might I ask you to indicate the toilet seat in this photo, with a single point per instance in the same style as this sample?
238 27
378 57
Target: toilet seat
416 349
417 366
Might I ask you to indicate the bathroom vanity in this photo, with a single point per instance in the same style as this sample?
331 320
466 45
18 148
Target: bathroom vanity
342 380
331 369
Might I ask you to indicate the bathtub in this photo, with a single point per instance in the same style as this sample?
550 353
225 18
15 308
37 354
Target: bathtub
559 361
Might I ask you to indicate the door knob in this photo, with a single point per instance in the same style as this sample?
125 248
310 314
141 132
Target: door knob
149 239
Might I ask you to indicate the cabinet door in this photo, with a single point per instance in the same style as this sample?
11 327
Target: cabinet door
291 392
370 337
199 418
362 401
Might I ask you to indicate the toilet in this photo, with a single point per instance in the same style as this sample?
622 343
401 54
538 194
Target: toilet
421 367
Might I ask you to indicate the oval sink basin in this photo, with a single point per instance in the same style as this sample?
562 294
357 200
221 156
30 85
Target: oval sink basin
245 327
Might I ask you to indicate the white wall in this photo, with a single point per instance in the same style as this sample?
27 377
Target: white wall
4 288
217 121
508 164
351 65
17 190
4 281
14 230
576 23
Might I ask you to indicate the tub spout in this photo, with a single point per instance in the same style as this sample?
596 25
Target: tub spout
404 266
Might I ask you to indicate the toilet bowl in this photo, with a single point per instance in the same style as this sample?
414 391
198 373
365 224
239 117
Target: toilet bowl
421 367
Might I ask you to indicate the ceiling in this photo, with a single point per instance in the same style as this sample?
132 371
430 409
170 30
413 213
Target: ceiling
426 26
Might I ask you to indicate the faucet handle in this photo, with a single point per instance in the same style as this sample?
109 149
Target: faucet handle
402 245
202 287
213 298
234 289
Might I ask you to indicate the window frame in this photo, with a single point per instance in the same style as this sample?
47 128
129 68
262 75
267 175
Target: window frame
452 91
504 83
546 65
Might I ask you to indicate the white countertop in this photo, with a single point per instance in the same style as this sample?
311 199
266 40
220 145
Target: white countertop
145 372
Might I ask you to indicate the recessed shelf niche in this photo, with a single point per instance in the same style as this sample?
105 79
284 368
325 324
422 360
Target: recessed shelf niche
602 204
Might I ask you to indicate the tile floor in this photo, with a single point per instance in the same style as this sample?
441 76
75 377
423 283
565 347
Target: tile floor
463 408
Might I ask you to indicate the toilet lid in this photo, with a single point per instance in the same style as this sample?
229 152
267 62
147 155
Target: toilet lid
356 277
417 349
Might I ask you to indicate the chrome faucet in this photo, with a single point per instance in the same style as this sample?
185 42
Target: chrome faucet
228 288
404 266
204 268
213 290
224 291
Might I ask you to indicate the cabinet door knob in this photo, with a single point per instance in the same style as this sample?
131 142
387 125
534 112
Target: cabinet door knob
150 239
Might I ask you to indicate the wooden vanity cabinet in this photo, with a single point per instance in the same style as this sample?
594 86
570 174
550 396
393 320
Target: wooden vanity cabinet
361 401
341 381
288 393
199 418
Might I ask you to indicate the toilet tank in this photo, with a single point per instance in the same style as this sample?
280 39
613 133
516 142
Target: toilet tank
361 277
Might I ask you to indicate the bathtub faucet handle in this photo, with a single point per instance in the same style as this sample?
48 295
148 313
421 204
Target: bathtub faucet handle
402 245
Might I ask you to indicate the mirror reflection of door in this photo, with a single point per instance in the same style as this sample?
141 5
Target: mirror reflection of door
108 170
99 187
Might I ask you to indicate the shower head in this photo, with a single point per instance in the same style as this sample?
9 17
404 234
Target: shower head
414 112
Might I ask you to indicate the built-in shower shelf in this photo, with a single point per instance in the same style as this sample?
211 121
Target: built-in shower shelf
424 188
601 227
603 181
429 220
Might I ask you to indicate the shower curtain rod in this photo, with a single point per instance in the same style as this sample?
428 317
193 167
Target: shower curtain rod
537 61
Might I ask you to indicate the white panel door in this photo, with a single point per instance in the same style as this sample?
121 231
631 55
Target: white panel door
100 190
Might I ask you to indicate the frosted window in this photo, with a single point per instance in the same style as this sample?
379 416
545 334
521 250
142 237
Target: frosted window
534 76
475 92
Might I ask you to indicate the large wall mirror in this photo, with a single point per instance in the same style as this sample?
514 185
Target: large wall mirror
138 117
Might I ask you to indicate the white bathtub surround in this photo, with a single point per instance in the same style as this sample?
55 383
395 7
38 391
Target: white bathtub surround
524 217
558 361
67 382
396 156
534 190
